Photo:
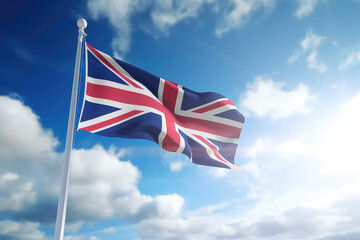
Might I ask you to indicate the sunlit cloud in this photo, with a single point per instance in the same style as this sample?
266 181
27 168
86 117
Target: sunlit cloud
340 146
266 98
102 187
288 148
22 130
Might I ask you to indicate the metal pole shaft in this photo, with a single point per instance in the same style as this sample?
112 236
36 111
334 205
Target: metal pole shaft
62 204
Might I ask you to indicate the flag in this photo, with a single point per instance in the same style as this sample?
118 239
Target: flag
124 101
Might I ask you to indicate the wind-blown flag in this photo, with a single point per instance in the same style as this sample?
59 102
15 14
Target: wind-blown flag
124 101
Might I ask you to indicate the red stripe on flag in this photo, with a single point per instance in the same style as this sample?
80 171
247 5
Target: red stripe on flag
122 96
110 121
169 95
96 52
214 105
171 141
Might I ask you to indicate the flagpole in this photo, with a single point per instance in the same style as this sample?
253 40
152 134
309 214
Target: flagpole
62 204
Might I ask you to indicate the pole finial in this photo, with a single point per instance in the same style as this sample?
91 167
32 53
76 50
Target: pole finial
82 23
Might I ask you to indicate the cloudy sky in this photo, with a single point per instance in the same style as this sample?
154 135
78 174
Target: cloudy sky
292 69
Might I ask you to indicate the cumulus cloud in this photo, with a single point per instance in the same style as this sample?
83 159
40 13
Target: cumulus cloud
327 205
99 177
21 128
309 46
266 98
102 187
283 210
306 7
19 192
352 59
26 150
26 231
299 222
111 186
286 211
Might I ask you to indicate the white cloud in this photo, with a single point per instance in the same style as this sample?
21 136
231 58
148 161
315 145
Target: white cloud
80 237
260 145
16 193
311 41
165 14
102 187
175 161
169 206
298 222
289 205
118 13
294 57
293 148
111 186
288 148
295 200
176 166
266 98
25 231
110 230
306 7
21 129
100 182
240 14
72 238
314 63
340 147
218 172
168 13
73 227
352 59
26 150
310 44
8 177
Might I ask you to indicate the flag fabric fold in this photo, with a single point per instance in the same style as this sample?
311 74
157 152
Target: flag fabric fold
124 101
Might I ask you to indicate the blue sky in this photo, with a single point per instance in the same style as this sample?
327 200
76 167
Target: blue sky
291 67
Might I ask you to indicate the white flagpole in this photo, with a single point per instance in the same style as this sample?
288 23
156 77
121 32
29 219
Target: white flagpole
62 204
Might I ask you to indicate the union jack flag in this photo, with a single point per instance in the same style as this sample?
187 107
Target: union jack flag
124 101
